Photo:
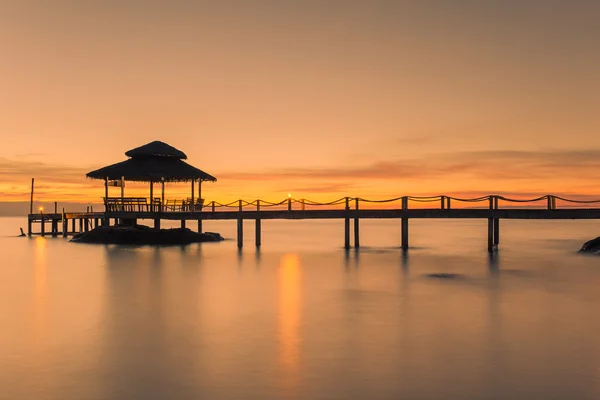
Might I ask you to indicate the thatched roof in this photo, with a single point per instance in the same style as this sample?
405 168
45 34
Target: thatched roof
156 149
154 162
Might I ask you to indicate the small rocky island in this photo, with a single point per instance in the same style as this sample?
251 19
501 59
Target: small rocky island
144 235
591 246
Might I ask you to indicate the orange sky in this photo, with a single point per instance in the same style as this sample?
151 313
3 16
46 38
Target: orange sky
322 99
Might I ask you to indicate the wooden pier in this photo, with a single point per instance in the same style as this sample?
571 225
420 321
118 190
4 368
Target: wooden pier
64 224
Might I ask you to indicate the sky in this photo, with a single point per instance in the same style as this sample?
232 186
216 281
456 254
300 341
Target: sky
320 99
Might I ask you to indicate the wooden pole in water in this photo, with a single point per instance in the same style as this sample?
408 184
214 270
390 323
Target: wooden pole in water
356 226
240 227
404 224
31 198
496 224
491 227
43 223
28 226
347 225
65 223
257 223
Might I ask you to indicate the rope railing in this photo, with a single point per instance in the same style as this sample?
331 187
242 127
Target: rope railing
351 202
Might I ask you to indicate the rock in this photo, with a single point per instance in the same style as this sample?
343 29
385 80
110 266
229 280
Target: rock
143 235
591 246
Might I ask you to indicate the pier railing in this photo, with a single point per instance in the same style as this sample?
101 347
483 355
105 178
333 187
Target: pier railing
550 202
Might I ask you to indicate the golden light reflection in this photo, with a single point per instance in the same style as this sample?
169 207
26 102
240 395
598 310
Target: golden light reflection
288 331
39 290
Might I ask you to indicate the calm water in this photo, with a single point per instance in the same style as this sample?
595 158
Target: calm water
303 319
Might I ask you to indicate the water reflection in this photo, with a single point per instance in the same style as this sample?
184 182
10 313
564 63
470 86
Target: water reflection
40 287
289 300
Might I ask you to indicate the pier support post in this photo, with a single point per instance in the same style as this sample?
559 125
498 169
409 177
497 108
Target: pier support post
42 225
405 224
54 227
28 226
240 227
86 225
491 225
356 226
347 225
199 225
257 222
183 224
73 225
496 225
156 223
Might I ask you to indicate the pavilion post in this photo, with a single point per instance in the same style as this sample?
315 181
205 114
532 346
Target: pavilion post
151 196
193 185
122 193
162 198
200 193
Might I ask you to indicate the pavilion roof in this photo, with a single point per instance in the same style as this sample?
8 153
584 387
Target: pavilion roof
155 161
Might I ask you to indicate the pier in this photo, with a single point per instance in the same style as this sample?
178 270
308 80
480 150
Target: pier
347 210
158 162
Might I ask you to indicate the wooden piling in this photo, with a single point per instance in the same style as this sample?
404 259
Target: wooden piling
157 223
54 227
86 224
404 224
80 224
73 225
257 226
240 227
183 224
199 225
28 226
491 227
347 225
356 226
65 223
42 225
31 198
496 223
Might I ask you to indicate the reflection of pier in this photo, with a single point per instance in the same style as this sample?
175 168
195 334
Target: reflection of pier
339 209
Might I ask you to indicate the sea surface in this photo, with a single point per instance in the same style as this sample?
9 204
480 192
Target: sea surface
302 318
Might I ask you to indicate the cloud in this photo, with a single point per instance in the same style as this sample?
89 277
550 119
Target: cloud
507 164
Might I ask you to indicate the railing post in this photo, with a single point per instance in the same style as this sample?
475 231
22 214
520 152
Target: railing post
213 206
289 204
404 225
448 200
347 225
553 202
356 225
550 202
240 227
302 204
443 201
257 224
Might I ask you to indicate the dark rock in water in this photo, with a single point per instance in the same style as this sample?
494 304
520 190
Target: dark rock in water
591 246
443 275
143 235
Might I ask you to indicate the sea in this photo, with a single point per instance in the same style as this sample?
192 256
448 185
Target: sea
302 318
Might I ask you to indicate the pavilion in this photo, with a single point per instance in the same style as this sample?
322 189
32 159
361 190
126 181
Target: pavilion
153 162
